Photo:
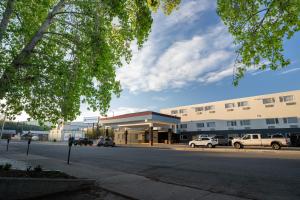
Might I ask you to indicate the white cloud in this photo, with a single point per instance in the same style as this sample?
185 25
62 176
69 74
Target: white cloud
126 110
181 63
188 11
290 70
157 98
216 75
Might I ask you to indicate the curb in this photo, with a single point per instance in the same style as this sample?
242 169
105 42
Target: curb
224 150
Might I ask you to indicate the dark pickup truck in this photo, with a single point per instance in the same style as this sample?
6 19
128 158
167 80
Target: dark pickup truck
83 141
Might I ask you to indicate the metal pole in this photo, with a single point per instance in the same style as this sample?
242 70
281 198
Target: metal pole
70 142
7 144
28 144
151 135
69 155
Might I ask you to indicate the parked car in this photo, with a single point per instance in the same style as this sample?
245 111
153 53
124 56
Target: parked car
35 138
221 140
83 141
257 140
106 142
203 141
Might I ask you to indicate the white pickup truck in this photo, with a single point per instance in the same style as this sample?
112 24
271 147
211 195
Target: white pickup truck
257 140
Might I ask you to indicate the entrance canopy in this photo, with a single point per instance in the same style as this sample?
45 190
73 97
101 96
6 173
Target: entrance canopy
140 119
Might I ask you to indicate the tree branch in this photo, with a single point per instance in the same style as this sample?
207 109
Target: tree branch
5 19
26 51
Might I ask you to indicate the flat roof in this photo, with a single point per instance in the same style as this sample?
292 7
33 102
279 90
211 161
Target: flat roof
140 118
138 114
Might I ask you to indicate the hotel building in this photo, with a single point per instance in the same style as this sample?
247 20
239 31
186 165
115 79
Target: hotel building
266 114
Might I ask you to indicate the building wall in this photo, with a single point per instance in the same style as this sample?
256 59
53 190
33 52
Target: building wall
228 114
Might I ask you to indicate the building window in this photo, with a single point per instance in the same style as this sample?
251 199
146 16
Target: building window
198 109
286 98
231 123
211 124
174 112
209 108
183 111
272 121
290 120
245 123
200 125
291 103
183 125
268 100
229 105
243 103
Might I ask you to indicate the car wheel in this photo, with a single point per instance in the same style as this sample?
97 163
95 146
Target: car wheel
237 145
193 145
276 146
209 145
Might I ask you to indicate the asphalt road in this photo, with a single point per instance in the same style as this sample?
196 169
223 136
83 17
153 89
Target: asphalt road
244 174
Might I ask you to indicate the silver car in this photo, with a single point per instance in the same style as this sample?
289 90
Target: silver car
105 142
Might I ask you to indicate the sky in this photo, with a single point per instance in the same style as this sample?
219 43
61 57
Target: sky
189 59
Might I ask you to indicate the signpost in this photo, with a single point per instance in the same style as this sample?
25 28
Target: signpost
70 142
7 144
28 144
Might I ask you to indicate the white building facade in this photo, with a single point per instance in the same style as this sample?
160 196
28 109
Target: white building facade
278 112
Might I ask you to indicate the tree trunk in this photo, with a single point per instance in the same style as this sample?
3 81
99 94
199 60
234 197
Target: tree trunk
2 128
5 19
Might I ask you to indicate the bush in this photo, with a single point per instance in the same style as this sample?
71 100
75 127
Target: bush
6 167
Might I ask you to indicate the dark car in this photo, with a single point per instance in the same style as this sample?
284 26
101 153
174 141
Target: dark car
105 142
83 141
230 141
221 140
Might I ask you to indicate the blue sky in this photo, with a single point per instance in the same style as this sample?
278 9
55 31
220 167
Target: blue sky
188 59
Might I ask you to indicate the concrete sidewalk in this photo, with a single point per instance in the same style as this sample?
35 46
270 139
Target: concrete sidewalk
124 184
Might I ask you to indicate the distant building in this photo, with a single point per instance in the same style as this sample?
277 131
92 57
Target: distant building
91 120
63 131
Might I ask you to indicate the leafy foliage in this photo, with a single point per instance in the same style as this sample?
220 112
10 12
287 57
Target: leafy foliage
259 28
22 126
57 54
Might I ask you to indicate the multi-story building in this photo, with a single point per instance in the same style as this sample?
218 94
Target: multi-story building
270 113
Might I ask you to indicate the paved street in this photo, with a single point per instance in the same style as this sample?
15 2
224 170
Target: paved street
251 175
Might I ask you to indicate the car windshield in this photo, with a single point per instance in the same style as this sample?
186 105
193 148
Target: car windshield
246 137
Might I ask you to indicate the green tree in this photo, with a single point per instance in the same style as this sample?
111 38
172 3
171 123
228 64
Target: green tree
57 54
259 28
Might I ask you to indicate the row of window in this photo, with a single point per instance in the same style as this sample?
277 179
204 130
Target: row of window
287 98
288 120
